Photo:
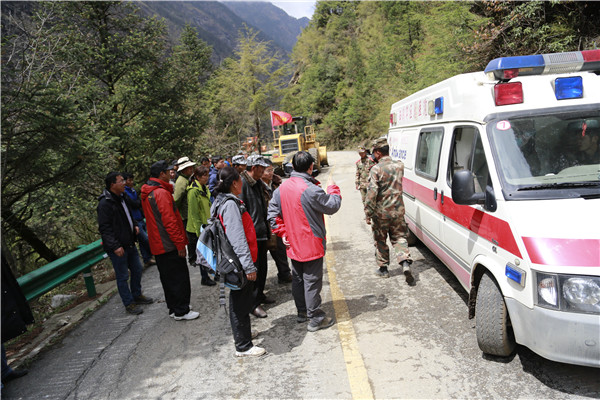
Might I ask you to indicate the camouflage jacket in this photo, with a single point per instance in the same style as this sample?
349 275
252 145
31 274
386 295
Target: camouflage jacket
362 172
384 192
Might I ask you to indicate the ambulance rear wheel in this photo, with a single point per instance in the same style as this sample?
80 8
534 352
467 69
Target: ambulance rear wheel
494 331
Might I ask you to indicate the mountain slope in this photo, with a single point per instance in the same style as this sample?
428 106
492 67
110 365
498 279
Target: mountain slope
270 19
216 24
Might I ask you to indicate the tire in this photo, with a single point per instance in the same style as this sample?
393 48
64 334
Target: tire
323 155
315 155
494 331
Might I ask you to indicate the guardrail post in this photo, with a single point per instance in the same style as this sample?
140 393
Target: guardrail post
89 282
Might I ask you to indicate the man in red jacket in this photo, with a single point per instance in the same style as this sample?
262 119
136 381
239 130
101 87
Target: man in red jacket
168 241
296 213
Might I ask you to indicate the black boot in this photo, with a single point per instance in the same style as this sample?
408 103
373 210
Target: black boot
407 272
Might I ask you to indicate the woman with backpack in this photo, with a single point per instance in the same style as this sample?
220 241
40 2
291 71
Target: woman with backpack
240 232
198 199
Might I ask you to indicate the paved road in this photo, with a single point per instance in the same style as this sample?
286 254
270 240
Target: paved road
391 340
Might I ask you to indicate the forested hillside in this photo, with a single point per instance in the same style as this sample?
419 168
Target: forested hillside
357 58
93 87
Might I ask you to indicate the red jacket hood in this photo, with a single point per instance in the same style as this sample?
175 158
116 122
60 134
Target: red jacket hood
152 185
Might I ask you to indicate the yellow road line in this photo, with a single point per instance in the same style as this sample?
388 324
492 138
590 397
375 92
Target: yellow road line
355 366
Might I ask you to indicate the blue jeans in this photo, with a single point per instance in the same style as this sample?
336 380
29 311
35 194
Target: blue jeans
143 240
122 265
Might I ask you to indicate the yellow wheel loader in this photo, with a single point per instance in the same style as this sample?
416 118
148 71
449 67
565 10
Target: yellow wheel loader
293 137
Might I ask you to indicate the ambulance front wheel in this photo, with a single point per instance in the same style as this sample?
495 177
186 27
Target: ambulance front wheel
494 331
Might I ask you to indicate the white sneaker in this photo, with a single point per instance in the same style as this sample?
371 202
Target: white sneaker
188 316
172 315
255 351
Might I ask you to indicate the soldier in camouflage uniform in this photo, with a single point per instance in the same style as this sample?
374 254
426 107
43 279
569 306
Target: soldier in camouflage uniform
363 166
385 210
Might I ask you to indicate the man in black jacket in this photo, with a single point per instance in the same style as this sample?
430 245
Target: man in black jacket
119 232
253 197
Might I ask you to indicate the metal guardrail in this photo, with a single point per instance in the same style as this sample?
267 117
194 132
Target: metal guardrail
46 278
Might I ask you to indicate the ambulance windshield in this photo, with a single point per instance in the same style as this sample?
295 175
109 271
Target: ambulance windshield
555 152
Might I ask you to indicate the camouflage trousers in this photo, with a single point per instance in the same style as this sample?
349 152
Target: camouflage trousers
363 194
397 231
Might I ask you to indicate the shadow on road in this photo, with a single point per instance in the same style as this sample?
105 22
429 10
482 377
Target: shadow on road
286 333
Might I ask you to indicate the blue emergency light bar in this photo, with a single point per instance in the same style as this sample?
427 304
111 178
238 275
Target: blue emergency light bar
555 63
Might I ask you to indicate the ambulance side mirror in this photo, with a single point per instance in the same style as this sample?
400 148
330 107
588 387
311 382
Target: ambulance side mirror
463 189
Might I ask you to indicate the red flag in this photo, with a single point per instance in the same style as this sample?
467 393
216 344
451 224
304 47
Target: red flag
280 118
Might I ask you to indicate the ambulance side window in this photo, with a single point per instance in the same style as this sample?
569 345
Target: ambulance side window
479 166
467 153
428 153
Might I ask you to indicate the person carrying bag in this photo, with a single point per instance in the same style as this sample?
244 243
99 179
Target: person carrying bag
238 229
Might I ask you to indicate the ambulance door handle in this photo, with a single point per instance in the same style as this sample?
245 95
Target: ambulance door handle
435 194
442 197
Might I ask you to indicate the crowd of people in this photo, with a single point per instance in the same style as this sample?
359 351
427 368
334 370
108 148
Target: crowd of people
259 214
266 215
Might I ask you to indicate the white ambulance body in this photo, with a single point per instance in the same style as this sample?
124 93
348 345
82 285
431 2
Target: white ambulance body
508 197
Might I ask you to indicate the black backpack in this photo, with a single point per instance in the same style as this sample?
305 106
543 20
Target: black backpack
216 249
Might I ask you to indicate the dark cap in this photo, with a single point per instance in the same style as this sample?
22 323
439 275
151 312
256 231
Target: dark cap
160 166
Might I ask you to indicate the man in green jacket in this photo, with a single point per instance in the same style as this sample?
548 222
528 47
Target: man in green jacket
184 171
198 213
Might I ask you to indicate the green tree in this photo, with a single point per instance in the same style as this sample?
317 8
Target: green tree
190 69
533 27
118 57
246 87
356 58
45 138
87 88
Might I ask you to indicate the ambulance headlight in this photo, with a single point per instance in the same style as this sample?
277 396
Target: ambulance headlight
568 292
582 293
546 289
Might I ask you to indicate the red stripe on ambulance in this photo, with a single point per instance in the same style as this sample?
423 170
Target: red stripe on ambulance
563 252
485 225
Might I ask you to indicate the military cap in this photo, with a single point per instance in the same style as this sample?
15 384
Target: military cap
239 160
257 160
380 142
361 149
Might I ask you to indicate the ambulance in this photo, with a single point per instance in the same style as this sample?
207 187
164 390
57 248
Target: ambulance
502 182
